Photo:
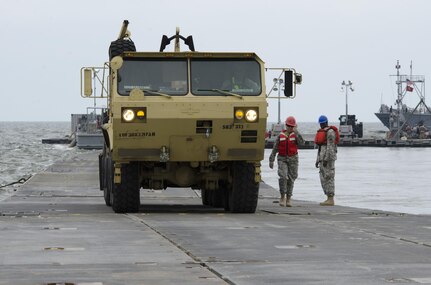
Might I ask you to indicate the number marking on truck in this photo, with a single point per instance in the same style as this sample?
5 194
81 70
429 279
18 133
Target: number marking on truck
230 127
137 134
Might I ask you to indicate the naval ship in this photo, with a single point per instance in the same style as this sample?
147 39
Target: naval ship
400 115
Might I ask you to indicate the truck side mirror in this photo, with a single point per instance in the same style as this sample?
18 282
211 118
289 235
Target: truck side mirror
288 83
290 79
88 86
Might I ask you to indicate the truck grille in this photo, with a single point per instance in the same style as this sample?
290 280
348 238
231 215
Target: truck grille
248 136
204 126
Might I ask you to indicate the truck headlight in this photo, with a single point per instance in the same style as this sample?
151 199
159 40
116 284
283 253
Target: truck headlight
245 114
140 114
134 115
251 115
239 114
128 115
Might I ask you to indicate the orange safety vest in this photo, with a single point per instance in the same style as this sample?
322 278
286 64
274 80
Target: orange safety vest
288 145
320 138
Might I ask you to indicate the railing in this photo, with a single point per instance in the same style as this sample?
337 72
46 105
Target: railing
412 78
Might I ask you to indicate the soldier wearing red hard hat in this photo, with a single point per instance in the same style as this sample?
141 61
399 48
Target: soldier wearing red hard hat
286 145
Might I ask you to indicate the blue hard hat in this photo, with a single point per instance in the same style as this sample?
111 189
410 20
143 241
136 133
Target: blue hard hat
323 119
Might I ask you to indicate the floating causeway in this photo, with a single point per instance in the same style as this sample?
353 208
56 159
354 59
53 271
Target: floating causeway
56 229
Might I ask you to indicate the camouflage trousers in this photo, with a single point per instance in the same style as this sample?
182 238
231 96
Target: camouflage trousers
288 172
327 178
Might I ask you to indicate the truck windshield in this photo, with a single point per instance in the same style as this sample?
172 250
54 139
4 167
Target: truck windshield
167 76
238 76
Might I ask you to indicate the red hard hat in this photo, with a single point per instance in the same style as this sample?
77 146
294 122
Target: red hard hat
290 121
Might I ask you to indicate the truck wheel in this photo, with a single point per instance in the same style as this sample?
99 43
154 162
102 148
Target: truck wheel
225 190
126 194
226 200
107 195
119 46
204 196
245 191
110 169
107 175
217 198
102 180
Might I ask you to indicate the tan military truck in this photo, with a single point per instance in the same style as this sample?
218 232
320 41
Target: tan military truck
182 119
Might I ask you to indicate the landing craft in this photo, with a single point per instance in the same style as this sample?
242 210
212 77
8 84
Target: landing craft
404 121
182 119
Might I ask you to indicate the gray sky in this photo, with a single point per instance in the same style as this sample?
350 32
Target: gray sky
46 42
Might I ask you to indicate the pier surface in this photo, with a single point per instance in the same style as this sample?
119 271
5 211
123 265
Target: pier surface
56 229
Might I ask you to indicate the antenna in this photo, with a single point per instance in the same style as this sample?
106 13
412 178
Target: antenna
411 68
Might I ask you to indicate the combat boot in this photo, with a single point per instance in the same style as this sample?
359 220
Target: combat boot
328 202
283 200
288 202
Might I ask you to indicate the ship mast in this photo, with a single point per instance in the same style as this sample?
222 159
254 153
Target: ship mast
399 97
412 117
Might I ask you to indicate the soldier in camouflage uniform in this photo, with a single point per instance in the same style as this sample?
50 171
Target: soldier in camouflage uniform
327 138
286 145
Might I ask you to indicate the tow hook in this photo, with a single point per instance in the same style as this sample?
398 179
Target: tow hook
164 154
213 154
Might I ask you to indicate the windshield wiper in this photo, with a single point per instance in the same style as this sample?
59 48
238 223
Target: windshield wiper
224 92
153 92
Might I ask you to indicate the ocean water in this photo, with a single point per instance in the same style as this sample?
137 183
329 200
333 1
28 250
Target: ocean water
390 179
22 153
21 150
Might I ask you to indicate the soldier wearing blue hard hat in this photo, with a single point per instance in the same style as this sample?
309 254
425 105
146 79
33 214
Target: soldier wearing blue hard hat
326 139
323 119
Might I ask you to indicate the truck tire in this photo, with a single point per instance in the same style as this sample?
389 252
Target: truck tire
119 46
245 191
205 198
217 198
226 200
102 180
225 190
107 173
104 176
213 198
126 194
